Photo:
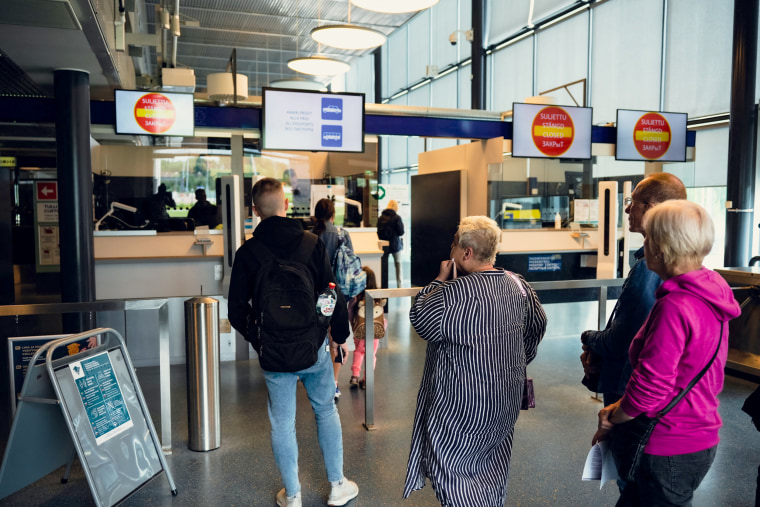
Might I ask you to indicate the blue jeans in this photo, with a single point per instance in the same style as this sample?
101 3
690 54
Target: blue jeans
320 388
668 480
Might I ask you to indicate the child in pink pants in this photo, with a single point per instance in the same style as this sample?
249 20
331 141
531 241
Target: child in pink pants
360 342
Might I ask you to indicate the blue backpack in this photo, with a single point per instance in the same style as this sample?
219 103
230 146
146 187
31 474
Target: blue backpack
347 267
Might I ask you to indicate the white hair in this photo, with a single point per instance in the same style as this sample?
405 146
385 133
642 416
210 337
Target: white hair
681 230
482 235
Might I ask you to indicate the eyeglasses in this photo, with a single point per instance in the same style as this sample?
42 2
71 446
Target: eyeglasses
629 201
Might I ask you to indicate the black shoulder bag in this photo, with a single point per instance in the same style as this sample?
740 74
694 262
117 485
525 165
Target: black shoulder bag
629 439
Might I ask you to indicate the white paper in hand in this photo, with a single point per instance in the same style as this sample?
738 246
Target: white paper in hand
599 465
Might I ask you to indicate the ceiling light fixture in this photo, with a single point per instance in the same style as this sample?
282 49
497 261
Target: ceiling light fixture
394 6
348 36
298 84
318 65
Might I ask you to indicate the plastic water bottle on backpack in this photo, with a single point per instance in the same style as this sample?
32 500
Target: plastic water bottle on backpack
326 304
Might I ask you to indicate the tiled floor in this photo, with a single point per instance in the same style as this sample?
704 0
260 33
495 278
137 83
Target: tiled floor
551 441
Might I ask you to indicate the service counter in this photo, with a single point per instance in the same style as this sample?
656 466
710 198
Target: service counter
178 265
744 331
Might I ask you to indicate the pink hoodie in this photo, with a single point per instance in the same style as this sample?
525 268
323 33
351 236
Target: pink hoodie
676 341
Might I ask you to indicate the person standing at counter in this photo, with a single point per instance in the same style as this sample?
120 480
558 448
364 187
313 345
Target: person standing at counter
203 212
483 326
283 237
390 228
605 353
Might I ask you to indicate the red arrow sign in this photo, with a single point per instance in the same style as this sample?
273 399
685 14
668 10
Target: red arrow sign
47 191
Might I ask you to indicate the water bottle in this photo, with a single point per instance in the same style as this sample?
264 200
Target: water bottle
557 221
326 304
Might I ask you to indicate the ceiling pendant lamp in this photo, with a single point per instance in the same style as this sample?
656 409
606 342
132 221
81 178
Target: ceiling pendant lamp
299 84
394 6
318 65
348 36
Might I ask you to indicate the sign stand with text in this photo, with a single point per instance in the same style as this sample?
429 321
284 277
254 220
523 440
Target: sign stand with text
89 403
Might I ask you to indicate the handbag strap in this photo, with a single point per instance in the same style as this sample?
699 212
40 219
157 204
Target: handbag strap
694 381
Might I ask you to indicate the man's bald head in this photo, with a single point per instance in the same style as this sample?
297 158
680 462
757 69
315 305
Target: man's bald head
660 187
651 191
269 198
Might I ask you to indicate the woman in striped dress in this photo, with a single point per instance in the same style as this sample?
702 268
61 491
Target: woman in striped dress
482 325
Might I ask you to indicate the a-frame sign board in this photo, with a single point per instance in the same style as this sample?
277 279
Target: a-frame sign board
90 403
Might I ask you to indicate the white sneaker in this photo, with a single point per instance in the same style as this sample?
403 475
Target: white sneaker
288 501
342 492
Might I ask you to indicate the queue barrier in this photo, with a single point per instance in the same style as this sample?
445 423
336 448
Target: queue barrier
372 294
124 305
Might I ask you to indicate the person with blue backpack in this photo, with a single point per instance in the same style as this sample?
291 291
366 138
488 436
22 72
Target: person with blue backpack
276 279
346 265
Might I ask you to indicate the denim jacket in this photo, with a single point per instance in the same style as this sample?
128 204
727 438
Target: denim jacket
612 344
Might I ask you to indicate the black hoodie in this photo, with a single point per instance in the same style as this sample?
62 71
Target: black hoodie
282 236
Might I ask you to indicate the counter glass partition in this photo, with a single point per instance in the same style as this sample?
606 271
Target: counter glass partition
155 187
528 193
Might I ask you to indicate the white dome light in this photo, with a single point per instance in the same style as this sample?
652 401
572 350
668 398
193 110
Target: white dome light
394 6
348 36
318 66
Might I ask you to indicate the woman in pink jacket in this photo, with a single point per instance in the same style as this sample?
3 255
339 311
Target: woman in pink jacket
676 341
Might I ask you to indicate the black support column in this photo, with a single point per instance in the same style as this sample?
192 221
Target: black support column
72 131
7 287
742 132
478 55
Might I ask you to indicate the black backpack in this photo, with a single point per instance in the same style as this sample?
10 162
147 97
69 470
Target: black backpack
384 231
285 320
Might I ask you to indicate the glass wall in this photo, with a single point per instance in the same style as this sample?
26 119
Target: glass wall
671 55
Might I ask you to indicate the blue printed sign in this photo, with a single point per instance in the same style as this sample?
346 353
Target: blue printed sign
332 109
332 136
544 263
101 396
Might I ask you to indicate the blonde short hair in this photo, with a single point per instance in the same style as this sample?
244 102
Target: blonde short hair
681 230
482 235
392 204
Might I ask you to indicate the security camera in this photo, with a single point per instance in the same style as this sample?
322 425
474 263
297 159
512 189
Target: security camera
453 39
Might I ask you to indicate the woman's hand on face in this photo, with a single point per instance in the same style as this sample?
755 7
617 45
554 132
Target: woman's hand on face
445 271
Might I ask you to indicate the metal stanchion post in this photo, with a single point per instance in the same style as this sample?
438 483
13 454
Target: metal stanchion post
202 346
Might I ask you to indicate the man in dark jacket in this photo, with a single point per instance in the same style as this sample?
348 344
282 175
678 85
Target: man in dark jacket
610 346
282 236
390 228
203 212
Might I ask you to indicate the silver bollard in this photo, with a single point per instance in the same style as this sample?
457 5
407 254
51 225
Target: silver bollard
202 347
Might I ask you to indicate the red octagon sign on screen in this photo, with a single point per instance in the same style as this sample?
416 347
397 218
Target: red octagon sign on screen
155 113
553 131
651 136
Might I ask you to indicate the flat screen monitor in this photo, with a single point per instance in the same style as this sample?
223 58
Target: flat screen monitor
548 131
650 136
154 113
312 121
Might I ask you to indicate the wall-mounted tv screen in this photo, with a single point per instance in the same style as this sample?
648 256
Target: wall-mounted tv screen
548 131
154 113
651 135
312 121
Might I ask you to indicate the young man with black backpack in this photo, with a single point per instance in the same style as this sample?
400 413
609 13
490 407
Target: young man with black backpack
276 278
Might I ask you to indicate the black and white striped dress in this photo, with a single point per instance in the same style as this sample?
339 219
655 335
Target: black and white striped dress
481 331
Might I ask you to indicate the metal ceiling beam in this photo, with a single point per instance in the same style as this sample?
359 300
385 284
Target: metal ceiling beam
289 18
